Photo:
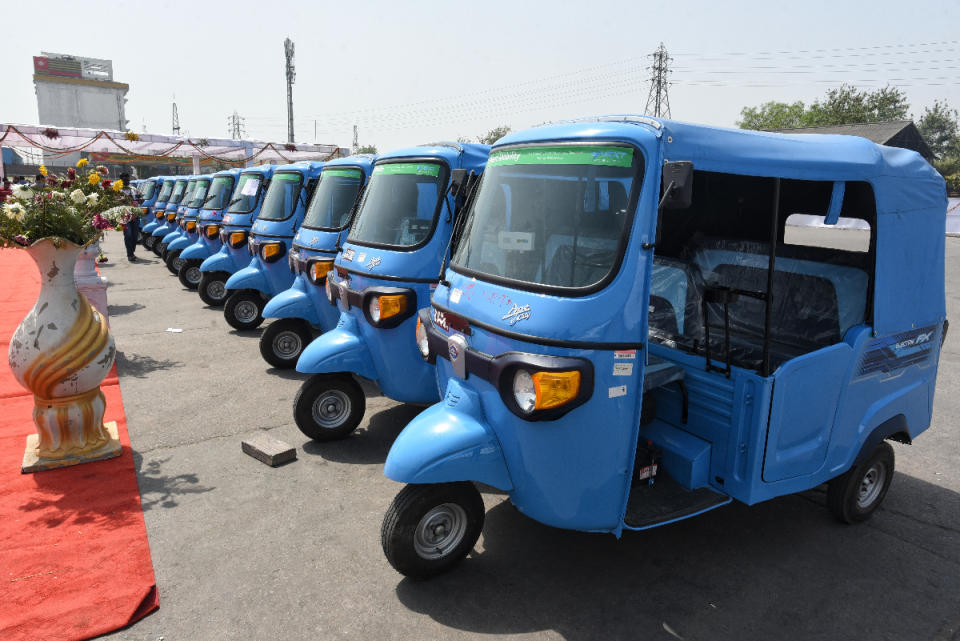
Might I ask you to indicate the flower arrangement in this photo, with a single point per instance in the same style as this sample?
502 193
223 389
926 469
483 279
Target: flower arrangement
73 207
51 133
131 136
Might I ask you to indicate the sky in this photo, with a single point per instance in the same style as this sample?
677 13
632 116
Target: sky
413 72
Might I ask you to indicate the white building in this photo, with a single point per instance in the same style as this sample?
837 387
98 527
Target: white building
78 92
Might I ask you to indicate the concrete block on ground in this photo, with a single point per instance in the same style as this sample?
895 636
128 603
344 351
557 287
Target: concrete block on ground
269 450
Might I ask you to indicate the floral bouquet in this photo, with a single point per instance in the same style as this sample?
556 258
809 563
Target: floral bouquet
76 207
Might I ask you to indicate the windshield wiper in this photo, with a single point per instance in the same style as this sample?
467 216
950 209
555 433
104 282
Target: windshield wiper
233 202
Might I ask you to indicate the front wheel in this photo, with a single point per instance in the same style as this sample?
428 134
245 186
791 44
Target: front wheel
854 496
151 242
173 261
329 406
244 309
430 528
158 246
283 341
212 288
189 273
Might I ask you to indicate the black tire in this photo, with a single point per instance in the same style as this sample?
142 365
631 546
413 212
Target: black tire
211 288
284 340
158 246
445 516
189 273
329 406
143 237
854 496
173 261
150 242
244 309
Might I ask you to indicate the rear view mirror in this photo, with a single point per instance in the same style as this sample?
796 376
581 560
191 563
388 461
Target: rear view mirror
677 185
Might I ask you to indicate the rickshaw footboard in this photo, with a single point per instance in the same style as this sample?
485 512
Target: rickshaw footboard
666 501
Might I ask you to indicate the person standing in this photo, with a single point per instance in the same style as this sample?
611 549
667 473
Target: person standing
131 229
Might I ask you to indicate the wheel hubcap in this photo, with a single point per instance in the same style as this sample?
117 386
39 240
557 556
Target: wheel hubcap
216 290
440 531
331 409
287 344
246 311
871 484
177 264
193 274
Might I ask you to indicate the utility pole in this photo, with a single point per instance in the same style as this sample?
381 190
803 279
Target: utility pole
176 118
291 76
658 102
235 126
356 139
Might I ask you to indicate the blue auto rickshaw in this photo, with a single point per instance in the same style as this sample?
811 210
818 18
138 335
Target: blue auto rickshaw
388 266
304 309
232 255
268 272
156 207
209 219
167 222
187 222
177 224
630 334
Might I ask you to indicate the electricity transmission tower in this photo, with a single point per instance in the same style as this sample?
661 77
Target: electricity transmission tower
658 102
291 76
235 126
176 118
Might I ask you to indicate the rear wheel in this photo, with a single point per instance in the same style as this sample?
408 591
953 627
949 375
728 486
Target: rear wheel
173 261
329 406
853 497
212 288
244 309
283 341
430 528
189 273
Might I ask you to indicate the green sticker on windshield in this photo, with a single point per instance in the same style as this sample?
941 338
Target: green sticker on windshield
416 169
222 180
607 156
291 177
343 173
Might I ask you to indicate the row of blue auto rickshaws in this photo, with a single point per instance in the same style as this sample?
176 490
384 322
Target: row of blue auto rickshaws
610 319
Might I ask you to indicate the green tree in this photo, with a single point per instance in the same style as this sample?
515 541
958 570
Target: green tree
939 128
494 135
463 139
841 106
773 115
367 149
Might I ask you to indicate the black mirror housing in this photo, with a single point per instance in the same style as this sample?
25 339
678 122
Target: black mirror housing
677 184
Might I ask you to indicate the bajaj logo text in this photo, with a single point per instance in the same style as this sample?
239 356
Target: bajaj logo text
517 314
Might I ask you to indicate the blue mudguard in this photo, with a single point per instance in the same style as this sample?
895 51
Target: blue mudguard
169 238
293 303
339 350
249 278
219 262
196 251
149 227
449 442
182 242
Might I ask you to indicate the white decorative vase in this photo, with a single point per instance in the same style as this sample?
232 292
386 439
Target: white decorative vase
89 282
61 352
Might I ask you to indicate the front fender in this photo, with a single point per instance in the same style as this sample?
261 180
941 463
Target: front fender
182 242
449 442
169 238
340 350
161 230
249 278
292 303
219 262
196 251
149 227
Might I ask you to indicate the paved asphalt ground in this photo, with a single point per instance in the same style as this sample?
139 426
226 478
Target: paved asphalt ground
243 551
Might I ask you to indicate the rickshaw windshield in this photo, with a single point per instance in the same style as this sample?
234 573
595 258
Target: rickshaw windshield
551 216
199 194
281 199
188 193
147 189
399 205
178 190
333 199
219 192
165 191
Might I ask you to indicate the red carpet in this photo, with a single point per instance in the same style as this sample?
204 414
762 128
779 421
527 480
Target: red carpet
74 557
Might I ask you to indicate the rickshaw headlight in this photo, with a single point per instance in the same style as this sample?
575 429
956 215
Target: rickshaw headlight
423 341
158 214
554 389
524 391
191 225
171 216
272 252
144 211
237 239
212 231
387 306
318 270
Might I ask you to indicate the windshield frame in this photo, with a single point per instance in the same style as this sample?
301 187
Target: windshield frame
170 200
443 184
209 182
228 209
233 185
162 187
302 184
153 189
354 207
633 198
